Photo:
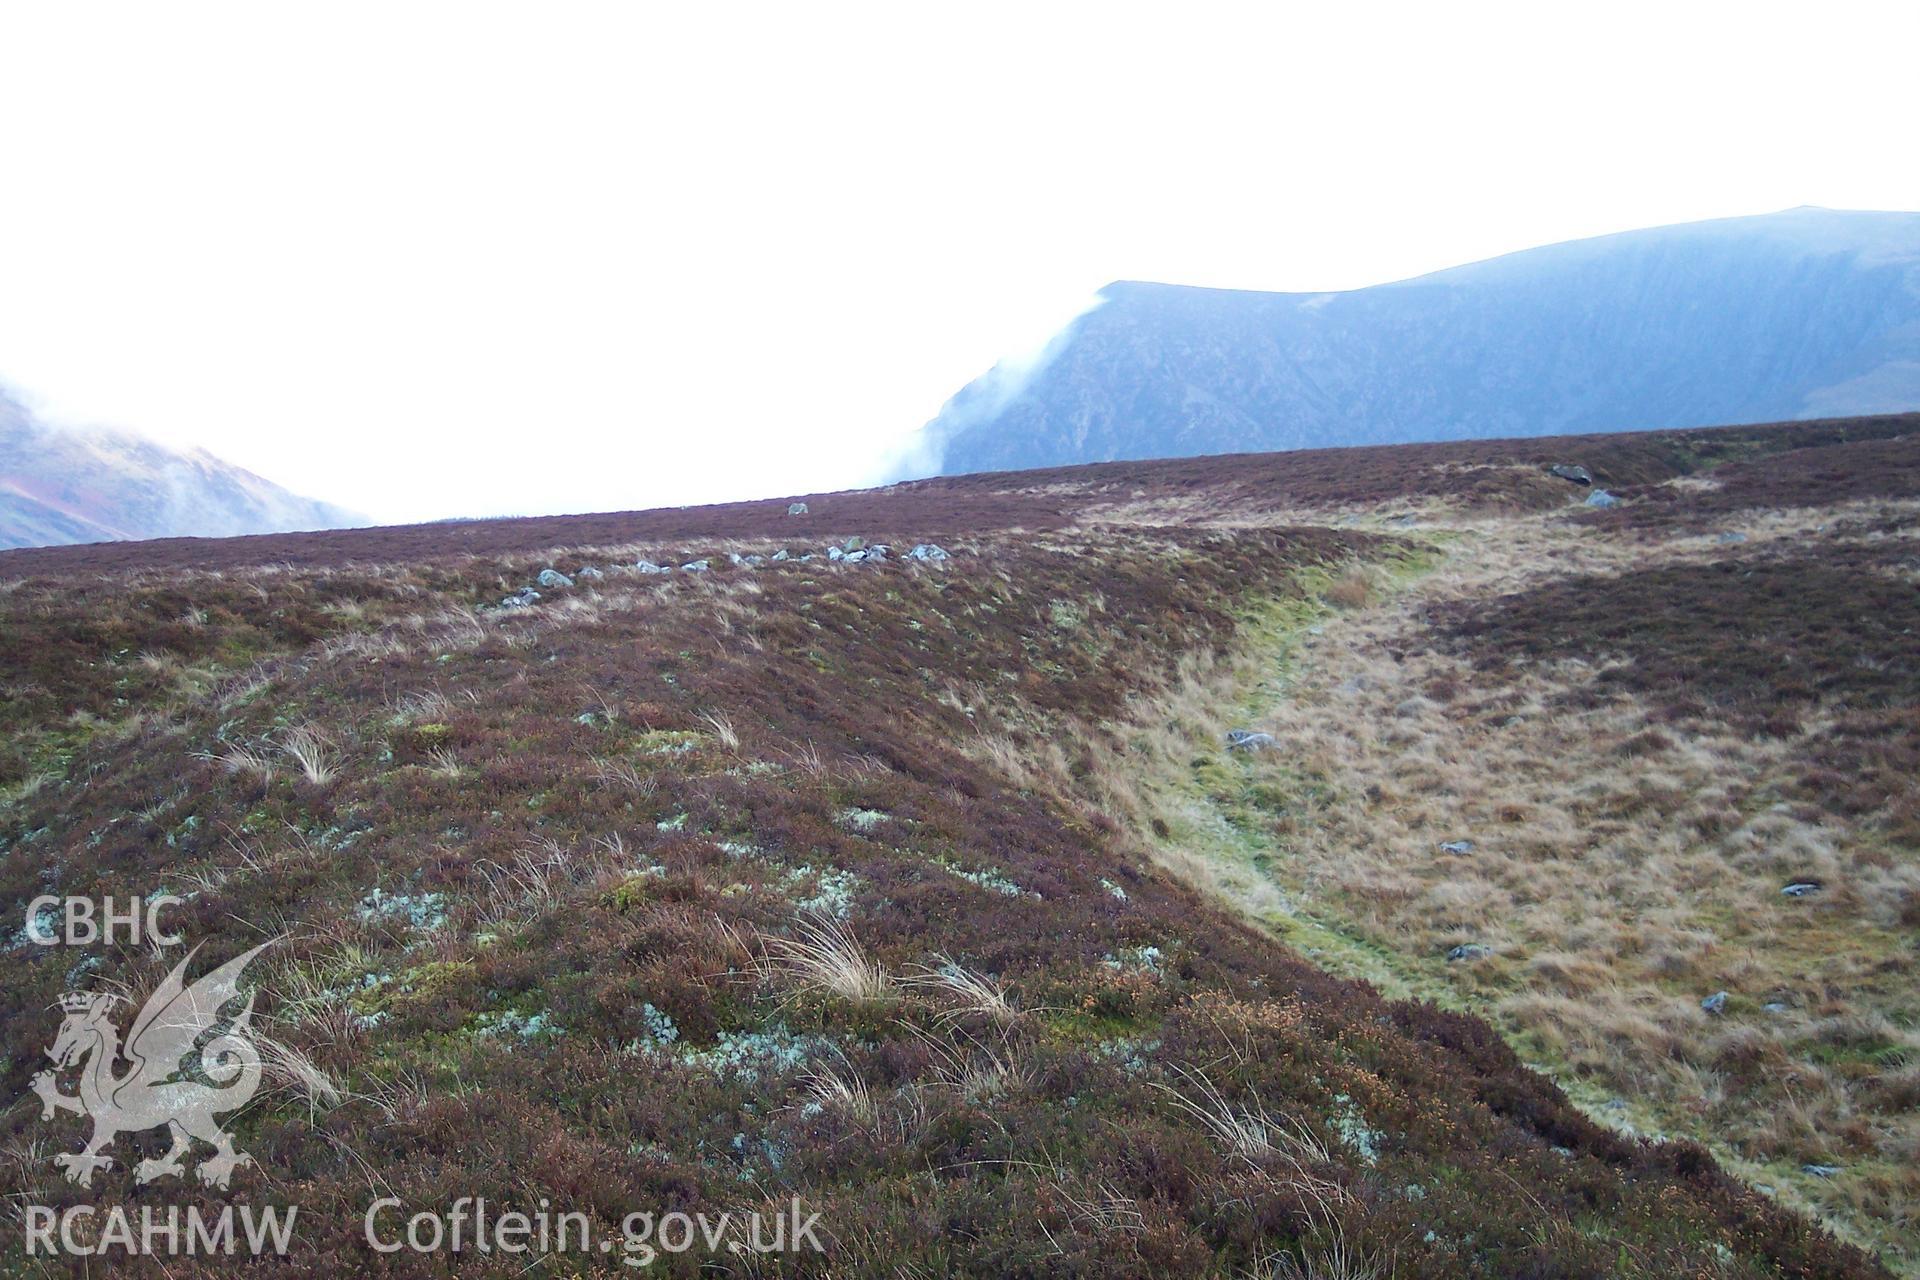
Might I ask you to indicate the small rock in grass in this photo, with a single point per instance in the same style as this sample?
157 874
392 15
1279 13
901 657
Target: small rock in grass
1601 498
1578 475
927 551
1456 846
1732 537
1715 1003
553 578
796 508
695 566
781 554
648 566
1820 1170
1248 740
588 571
521 599
1468 951
1802 888
1775 1006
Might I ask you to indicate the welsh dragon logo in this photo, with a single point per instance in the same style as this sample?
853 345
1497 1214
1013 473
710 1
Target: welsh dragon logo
158 1086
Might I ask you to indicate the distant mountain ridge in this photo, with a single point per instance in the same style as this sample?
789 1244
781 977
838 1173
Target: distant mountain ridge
60 486
1808 313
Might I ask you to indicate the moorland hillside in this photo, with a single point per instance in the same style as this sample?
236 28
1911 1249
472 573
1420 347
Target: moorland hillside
708 857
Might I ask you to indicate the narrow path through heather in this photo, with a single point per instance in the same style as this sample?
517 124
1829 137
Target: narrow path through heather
1530 842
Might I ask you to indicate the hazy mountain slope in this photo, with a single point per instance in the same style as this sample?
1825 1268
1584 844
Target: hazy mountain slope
59 486
1806 313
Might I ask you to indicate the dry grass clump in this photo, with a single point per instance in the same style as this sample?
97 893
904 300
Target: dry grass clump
241 759
979 1070
836 1086
722 729
826 958
966 993
1352 589
1335 1260
285 1067
1249 1132
312 752
541 879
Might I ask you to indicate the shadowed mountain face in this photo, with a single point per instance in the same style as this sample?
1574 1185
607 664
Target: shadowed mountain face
1804 314
59 487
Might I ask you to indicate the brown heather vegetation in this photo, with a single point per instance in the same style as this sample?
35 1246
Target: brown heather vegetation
928 893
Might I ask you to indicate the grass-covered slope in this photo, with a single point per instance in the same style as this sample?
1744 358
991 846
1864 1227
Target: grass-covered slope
702 890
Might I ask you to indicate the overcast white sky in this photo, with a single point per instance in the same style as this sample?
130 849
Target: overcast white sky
427 260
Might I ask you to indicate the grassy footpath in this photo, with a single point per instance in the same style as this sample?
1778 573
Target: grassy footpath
1223 816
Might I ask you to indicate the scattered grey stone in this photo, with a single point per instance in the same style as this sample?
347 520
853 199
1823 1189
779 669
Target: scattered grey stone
750 561
1248 740
1579 475
1468 951
521 599
780 555
854 557
588 571
1715 1004
695 566
553 578
1732 537
1601 498
835 553
1802 888
648 566
1775 1006
796 508
927 551
1456 846
1820 1170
